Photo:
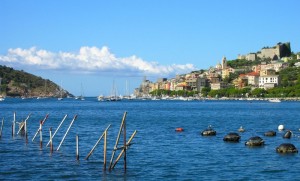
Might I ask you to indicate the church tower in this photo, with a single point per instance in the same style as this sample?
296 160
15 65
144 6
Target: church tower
224 63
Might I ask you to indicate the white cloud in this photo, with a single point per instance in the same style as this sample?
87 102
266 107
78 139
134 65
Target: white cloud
89 60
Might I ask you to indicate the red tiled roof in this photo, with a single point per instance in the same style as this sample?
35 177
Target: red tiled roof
253 74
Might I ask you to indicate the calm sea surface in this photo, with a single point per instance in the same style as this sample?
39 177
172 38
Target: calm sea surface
157 152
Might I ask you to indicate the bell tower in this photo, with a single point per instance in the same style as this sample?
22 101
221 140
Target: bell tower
224 63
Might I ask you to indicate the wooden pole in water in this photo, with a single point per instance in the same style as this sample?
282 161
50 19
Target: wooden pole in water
36 133
41 134
21 127
24 125
128 142
124 131
77 147
43 121
1 127
66 133
14 125
117 141
57 129
104 151
25 129
90 153
51 144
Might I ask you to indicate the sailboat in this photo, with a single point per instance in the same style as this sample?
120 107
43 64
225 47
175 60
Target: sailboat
127 95
114 96
101 98
61 91
44 95
82 94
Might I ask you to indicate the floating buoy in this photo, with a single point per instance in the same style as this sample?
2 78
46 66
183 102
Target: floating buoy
287 134
286 148
209 132
255 141
241 129
179 129
232 137
281 127
270 133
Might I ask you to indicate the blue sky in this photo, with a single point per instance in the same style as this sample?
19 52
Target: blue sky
94 43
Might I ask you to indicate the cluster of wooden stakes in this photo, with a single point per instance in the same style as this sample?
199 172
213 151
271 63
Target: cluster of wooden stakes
23 131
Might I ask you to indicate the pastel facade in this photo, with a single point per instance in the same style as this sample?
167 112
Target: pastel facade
268 81
217 86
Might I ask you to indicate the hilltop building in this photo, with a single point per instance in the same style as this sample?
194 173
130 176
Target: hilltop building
274 53
248 79
268 79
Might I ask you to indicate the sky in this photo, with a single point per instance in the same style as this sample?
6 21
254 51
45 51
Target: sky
90 46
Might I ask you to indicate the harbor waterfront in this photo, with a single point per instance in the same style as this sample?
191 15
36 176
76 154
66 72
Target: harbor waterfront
158 152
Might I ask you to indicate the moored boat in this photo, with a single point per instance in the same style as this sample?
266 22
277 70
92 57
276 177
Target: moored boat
274 100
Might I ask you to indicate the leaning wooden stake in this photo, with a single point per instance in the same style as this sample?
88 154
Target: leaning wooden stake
1 127
24 125
39 128
41 134
25 129
57 129
104 151
123 149
117 141
14 125
21 127
92 150
66 133
51 144
124 131
77 147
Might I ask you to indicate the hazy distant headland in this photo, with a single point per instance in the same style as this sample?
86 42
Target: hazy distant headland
15 83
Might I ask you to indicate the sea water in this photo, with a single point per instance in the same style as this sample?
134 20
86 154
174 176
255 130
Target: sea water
158 152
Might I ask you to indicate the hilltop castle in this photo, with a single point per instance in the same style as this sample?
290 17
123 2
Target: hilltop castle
274 53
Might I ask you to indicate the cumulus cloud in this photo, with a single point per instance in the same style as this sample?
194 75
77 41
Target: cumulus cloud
89 60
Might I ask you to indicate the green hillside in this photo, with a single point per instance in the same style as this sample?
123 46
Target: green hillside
19 83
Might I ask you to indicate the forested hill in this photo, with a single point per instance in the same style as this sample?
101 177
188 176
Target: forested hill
19 83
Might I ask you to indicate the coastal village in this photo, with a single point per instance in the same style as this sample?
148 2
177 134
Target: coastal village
263 75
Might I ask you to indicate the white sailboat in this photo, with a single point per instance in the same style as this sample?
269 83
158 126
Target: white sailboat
101 98
61 92
82 94
114 96
127 95
44 95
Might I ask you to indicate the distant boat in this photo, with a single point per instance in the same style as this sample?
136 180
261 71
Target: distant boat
61 91
101 98
2 99
274 100
82 94
114 96
44 95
